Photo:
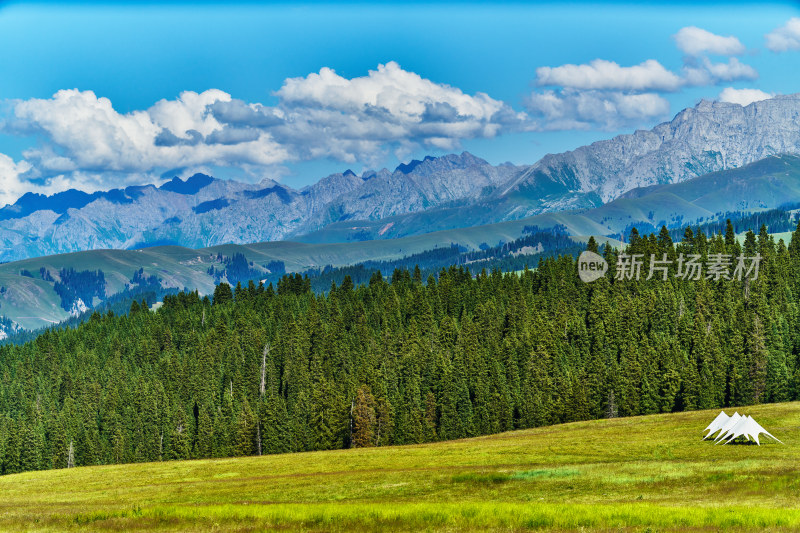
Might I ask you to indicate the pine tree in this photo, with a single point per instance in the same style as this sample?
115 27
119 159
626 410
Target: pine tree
222 294
730 234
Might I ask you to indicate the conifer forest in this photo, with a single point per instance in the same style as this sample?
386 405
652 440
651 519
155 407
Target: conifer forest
404 358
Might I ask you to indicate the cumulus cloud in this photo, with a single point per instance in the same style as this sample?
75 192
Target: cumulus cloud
786 37
189 112
86 133
319 115
602 74
703 71
696 41
699 70
742 97
86 142
649 76
11 185
603 94
239 113
401 93
88 129
327 115
572 109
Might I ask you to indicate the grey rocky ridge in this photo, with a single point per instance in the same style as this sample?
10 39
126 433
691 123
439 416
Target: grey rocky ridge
706 138
203 211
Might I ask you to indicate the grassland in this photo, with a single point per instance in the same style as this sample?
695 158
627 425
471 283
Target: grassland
649 473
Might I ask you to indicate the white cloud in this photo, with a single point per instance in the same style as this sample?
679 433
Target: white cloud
571 109
696 41
11 185
731 71
86 133
786 37
401 93
608 75
320 115
88 129
326 115
703 71
742 97
603 94
188 112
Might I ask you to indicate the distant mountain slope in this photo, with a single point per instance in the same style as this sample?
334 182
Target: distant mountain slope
29 299
418 186
765 184
709 137
203 211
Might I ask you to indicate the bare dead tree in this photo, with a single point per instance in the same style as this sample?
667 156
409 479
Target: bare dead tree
71 456
352 410
612 411
267 349
262 389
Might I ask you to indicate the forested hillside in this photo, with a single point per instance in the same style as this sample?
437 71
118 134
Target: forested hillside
402 360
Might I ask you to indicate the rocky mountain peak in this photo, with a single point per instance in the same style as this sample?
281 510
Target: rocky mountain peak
706 138
408 168
191 186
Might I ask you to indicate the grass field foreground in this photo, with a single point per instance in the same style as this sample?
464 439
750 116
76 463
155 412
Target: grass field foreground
650 473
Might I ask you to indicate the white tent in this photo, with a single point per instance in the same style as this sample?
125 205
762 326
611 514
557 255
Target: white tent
732 421
717 424
728 428
749 429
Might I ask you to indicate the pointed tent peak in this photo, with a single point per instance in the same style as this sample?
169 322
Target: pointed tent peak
716 424
719 418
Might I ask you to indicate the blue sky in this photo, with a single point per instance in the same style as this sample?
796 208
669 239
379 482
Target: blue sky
476 73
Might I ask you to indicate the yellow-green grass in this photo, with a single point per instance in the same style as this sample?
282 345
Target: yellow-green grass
634 474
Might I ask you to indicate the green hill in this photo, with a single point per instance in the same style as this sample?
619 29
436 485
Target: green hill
32 303
651 473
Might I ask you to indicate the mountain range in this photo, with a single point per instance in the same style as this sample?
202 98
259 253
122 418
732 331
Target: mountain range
204 211
435 193
30 297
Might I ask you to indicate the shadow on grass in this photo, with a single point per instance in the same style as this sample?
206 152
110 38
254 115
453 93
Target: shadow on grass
486 478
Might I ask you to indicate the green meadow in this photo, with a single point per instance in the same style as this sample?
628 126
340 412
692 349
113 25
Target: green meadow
650 473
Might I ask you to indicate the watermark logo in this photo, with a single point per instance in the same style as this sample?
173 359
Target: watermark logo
591 266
